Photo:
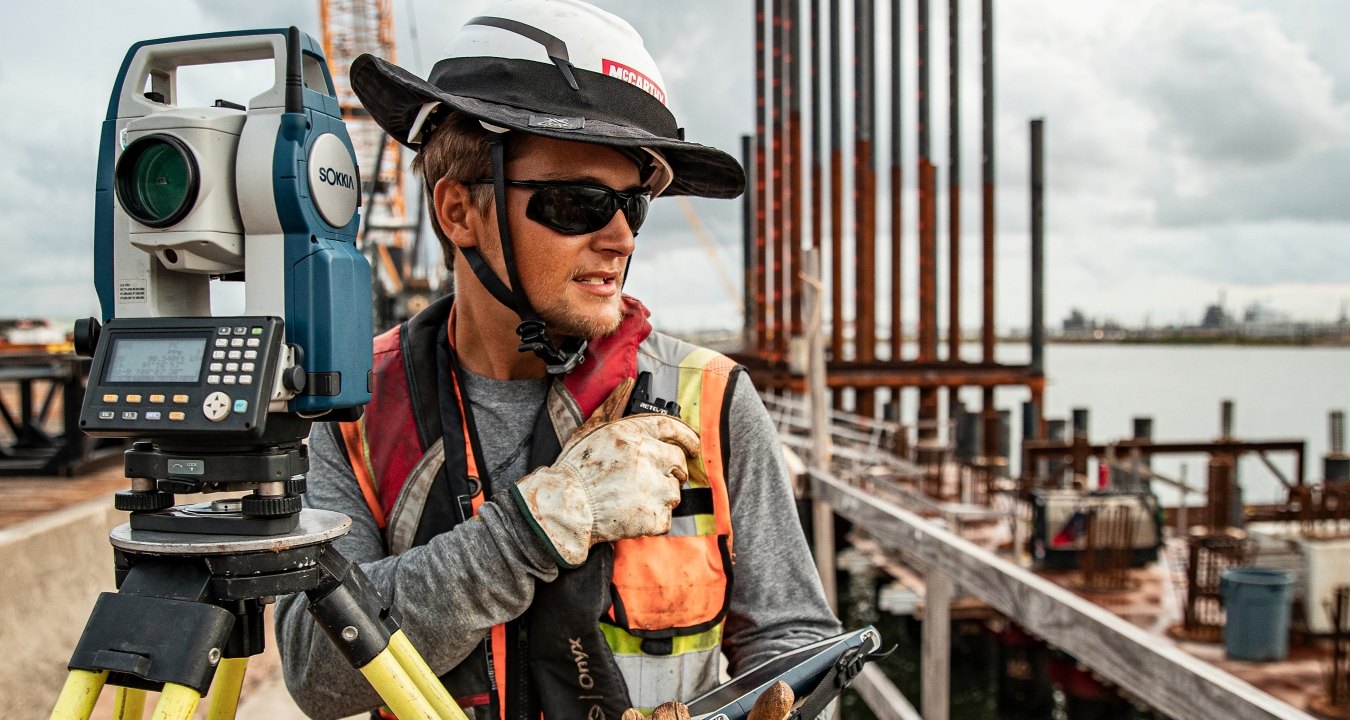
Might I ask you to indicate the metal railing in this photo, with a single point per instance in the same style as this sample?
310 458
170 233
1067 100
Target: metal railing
1149 667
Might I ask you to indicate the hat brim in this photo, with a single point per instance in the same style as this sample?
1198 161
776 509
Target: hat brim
394 98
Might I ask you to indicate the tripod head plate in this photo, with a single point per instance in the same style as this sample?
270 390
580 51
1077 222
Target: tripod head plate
315 527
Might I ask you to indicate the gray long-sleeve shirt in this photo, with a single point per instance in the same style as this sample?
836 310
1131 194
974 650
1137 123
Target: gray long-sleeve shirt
451 591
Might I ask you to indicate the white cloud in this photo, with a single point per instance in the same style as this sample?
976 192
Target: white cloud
1191 146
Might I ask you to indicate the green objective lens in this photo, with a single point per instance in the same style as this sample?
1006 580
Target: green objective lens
160 180
157 180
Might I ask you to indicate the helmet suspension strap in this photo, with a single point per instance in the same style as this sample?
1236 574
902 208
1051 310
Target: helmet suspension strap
531 330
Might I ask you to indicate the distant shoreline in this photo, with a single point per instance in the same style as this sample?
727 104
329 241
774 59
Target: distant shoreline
1311 341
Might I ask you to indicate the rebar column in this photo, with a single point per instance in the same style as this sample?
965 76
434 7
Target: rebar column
987 329
953 188
749 256
864 196
1038 246
793 164
778 327
897 191
928 312
836 191
817 192
761 258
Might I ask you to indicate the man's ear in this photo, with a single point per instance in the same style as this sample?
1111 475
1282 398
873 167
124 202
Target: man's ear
459 219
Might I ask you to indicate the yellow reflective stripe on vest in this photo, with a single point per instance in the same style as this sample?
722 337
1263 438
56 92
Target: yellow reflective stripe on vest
622 643
691 406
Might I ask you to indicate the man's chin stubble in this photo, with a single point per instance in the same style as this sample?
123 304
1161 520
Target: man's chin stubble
580 326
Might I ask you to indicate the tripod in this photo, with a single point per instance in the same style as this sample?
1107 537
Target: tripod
188 612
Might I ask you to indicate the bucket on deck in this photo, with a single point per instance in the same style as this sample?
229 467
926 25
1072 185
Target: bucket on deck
1257 604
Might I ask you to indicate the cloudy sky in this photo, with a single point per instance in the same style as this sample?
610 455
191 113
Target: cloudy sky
1194 147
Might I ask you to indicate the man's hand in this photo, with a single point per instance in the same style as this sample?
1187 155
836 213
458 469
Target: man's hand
772 704
616 478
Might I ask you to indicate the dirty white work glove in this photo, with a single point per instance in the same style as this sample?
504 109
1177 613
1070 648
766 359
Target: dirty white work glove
615 479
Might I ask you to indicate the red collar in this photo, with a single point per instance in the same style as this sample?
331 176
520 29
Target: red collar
609 359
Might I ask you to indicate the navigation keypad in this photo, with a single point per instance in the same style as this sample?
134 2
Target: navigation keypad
216 407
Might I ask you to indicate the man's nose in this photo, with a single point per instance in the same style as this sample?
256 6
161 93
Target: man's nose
615 237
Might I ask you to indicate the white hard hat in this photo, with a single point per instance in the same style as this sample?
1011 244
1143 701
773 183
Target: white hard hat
558 68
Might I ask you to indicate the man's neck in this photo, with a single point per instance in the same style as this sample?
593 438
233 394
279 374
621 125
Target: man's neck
485 334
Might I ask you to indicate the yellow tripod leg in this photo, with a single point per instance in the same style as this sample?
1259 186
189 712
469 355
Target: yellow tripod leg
79 695
396 688
128 704
176 702
225 689
426 681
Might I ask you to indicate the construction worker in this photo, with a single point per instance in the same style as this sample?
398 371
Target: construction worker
538 563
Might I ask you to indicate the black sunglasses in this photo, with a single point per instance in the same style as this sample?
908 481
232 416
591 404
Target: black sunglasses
576 208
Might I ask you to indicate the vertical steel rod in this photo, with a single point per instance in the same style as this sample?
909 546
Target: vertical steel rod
864 194
792 84
778 240
928 397
836 189
987 329
897 189
761 260
1038 246
953 191
748 258
817 192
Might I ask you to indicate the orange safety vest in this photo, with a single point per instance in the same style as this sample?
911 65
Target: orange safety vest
419 472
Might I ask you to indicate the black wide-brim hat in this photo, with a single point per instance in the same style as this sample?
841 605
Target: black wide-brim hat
538 98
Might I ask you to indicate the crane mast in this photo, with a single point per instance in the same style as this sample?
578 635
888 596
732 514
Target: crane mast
388 234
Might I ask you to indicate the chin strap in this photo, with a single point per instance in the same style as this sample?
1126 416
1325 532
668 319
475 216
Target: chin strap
531 330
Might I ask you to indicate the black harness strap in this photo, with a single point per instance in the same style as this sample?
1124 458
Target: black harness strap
531 330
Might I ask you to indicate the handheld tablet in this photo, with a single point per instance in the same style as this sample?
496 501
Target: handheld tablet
802 669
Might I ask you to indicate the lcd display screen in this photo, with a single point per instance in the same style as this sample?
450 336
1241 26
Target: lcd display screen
144 360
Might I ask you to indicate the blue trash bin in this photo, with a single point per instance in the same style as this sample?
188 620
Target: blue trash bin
1257 604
